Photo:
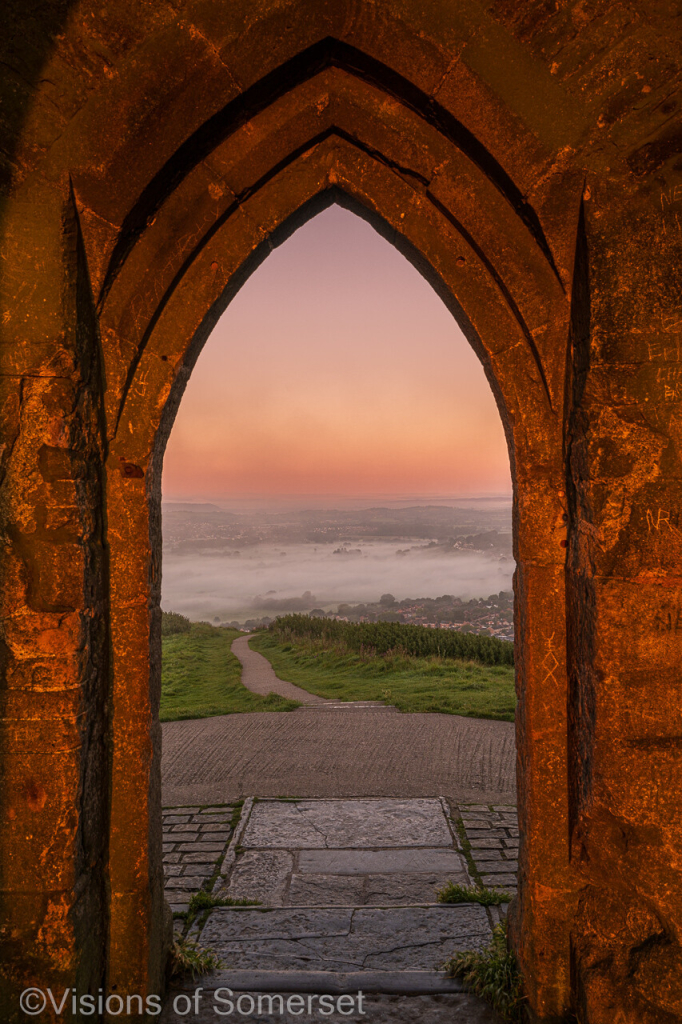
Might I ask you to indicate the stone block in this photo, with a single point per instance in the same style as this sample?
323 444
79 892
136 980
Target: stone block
325 891
344 939
310 824
500 880
357 862
201 847
261 875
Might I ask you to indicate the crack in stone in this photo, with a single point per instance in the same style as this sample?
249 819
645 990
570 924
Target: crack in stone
314 826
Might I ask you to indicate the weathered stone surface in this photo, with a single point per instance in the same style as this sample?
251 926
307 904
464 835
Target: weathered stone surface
363 862
261 875
344 939
330 824
379 1009
325 891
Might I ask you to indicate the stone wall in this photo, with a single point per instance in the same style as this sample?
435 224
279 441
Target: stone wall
526 158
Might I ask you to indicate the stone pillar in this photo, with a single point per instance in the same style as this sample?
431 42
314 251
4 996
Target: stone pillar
140 926
541 915
54 643
625 603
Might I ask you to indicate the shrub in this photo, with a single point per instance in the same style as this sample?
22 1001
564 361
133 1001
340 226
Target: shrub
173 622
372 638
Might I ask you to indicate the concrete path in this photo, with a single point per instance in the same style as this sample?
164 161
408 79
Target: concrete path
308 753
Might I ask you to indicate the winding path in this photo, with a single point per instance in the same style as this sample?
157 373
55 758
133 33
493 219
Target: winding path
334 749
258 675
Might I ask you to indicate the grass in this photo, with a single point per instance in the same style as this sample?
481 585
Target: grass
201 677
203 900
451 893
493 975
444 685
187 957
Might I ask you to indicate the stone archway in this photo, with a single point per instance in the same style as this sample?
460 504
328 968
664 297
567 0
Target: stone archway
213 138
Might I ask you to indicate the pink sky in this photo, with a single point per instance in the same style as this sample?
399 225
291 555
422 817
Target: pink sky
336 370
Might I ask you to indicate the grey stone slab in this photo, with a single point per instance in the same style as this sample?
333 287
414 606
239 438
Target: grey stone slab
414 938
387 890
199 858
508 808
184 828
172 858
511 844
170 870
486 855
201 847
212 819
356 862
503 880
188 882
195 870
179 810
486 844
214 837
335 824
499 866
483 833
168 847
261 875
175 819
326 890
376 1009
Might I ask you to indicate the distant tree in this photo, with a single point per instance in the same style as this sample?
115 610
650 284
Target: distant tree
318 613
387 600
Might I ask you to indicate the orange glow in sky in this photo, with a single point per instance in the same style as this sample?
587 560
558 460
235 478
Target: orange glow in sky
336 370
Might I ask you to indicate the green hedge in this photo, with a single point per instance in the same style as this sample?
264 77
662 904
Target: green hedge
381 637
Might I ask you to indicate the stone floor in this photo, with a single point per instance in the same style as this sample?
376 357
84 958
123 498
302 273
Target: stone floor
364 852
194 843
348 893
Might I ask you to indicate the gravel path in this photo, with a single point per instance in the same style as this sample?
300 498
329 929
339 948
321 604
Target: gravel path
258 675
344 753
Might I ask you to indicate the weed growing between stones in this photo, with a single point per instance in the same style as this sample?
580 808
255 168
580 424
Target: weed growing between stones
188 957
465 846
451 893
204 900
493 975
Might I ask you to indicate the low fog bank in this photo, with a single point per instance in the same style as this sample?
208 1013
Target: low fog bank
221 565
268 580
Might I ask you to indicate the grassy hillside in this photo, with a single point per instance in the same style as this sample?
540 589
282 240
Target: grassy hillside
201 677
332 669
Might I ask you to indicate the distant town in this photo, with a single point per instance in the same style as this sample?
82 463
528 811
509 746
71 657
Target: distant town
493 616
419 535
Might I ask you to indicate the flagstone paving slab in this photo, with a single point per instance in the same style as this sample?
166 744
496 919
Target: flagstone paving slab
455 1008
319 824
362 862
414 938
261 875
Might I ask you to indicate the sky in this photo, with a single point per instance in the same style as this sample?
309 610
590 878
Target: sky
336 371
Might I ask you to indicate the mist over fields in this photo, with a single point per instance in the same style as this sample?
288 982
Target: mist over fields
225 564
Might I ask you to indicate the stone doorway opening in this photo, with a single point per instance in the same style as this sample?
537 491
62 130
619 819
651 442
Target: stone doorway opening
392 855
